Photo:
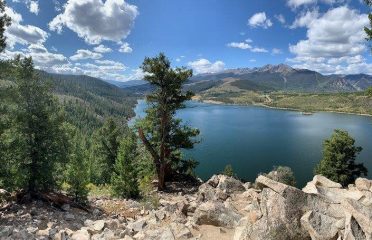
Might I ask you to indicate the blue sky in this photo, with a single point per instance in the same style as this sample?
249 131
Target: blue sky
110 38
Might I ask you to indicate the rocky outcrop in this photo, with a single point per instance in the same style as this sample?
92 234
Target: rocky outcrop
222 208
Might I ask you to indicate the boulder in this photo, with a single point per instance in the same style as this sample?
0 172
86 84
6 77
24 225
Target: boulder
352 229
363 184
319 226
6 231
138 225
81 234
167 235
361 213
230 185
96 227
216 214
320 180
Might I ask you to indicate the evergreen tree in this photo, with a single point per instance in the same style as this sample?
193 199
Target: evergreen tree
163 135
366 29
339 155
4 22
77 172
108 142
124 179
41 138
228 171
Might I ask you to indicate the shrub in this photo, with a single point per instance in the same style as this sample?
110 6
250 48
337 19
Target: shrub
282 174
228 171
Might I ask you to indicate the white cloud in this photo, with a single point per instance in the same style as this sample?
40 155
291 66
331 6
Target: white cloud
260 20
125 48
276 51
305 19
259 50
82 54
33 6
241 45
96 20
280 18
335 42
102 49
205 66
298 3
23 34
246 46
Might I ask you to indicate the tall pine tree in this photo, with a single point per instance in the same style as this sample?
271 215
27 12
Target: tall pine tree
42 143
124 178
108 141
4 22
161 132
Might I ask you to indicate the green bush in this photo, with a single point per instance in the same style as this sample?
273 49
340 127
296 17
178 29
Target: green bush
228 171
282 174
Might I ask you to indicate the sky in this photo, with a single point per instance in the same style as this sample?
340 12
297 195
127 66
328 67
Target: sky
110 38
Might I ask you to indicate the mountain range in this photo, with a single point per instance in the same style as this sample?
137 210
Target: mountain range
273 78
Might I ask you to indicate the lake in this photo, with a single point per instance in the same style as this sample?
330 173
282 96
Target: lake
254 139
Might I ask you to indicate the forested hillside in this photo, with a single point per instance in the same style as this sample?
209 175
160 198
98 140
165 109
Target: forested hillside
88 101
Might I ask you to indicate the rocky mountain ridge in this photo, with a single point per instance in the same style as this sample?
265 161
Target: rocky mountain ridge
222 208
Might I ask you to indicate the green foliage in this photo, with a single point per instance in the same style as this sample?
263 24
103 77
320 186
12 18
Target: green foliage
77 172
35 138
366 29
4 22
124 178
282 174
163 135
107 143
339 155
228 171
369 92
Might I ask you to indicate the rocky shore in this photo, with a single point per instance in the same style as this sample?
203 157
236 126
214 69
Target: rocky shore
221 208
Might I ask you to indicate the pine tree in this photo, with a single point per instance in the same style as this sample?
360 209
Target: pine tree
366 29
339 155
108 145
4 22
77 172
41 138
164 135
124 179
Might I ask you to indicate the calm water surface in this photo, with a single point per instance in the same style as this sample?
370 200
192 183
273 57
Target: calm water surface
254 139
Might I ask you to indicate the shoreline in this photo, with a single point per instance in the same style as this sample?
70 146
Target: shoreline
281 108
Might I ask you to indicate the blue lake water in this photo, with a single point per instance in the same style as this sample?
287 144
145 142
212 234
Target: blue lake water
254 139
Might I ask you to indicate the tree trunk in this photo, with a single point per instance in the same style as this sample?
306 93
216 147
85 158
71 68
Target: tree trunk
161 177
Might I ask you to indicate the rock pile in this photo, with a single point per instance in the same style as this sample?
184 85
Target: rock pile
222 208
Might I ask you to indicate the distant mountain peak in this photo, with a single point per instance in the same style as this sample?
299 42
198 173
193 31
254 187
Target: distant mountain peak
280 68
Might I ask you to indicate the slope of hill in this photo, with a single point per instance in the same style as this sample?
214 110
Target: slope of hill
88 101
126 84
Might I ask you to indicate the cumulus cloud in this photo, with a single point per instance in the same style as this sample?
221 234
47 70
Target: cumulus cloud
33 6
102 49
305 18
97 20
125 48
82 54
260 20
335 35
205 66
23 34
